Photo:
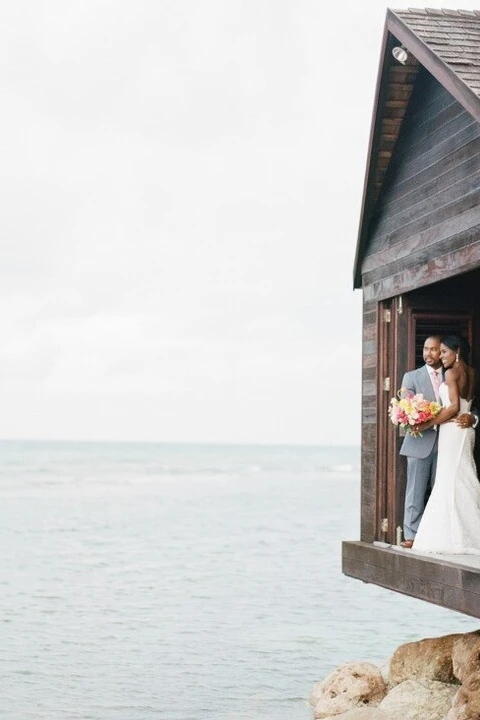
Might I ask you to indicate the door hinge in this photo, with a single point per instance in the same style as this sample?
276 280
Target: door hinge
384 525
387 316
386 383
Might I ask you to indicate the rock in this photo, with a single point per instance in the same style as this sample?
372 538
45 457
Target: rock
316 693
355 684
371 713
429 659
385 670
466 655
420 699
466 705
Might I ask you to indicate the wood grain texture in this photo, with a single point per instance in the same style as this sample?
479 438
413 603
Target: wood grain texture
435 270
448 584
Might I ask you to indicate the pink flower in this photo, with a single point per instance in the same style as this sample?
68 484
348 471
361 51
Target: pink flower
408 409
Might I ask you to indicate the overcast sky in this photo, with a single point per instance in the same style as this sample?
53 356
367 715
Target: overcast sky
181 184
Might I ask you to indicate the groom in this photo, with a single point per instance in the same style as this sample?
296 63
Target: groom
421 452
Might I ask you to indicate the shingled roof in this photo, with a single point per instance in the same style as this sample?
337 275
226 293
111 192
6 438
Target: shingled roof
452 35
447 44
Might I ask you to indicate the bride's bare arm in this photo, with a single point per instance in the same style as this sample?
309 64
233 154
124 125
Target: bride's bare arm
469 419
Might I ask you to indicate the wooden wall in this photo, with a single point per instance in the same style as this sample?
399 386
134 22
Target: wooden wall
427 224
426 229
369 422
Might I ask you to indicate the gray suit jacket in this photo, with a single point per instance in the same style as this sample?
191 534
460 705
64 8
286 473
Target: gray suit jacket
418 381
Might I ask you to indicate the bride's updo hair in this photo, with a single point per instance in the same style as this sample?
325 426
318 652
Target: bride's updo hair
458 344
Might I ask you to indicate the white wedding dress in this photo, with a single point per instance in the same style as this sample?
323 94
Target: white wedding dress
451 521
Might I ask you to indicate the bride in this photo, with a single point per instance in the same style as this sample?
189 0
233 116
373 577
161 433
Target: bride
451 521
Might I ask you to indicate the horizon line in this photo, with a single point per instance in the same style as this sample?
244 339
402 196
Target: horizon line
178 442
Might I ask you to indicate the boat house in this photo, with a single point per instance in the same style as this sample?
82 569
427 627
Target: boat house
418 266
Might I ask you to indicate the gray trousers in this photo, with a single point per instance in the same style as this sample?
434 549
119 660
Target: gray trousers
420 479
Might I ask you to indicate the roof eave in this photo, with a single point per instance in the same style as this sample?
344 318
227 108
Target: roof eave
357 275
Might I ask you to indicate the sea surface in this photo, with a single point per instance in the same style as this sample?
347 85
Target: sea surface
184 582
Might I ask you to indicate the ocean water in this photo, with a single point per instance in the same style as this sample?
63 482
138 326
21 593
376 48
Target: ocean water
184 582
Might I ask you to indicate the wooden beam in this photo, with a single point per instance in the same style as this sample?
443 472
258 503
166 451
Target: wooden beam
439 268
453 585
434 232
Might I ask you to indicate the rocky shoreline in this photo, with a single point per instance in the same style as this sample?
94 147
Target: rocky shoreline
431 679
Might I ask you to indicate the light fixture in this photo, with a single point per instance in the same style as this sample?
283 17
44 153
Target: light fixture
400 54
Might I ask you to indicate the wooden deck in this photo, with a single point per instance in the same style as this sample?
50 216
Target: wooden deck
451 581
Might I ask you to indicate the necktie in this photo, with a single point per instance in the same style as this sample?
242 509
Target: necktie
436 379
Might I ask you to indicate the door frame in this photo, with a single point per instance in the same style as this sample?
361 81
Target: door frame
404 322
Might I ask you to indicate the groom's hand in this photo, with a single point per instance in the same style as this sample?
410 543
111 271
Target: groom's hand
465 420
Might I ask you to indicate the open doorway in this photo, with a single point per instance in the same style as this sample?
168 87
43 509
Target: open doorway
450 306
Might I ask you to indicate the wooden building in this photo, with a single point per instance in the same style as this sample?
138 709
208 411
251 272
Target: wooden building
418 265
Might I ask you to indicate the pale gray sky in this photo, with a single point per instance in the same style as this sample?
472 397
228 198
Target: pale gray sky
181 184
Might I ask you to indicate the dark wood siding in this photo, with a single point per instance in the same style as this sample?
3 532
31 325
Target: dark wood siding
427 224
369 422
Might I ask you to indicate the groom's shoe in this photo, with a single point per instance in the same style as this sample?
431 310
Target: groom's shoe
407 543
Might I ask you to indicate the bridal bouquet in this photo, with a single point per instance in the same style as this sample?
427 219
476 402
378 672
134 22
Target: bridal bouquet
409 409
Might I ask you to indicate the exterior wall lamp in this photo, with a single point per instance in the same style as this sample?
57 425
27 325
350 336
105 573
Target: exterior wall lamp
400 54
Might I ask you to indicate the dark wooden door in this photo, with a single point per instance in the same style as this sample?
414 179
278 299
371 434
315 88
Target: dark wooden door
391 357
